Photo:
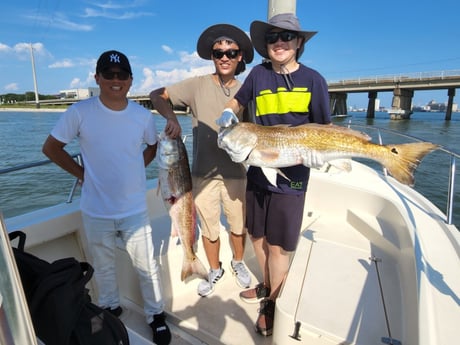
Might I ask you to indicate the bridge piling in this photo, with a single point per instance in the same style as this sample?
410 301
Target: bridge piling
371 105
338 103
401 105
450 102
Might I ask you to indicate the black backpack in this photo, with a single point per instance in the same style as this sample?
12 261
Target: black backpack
59 302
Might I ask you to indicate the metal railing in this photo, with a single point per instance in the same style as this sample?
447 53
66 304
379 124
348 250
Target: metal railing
76 156
452 166
393 78
29 165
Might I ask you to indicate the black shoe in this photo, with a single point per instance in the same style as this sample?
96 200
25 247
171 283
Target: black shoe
117 311
256 294
161 332
264 324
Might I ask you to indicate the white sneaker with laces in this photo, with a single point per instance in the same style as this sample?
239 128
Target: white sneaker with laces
206 287
239 270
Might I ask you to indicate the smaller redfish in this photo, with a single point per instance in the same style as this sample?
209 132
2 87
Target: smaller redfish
175 183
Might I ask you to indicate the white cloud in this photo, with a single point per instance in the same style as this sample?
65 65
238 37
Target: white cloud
12 87
167 49
90 13
185 59
170 72
112 5
75 83
22 50
90 81
66 63
113 10
59 21
153 79
78 83
4 48
72 63
193 59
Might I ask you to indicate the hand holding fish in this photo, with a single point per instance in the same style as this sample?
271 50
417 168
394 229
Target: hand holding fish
227 118
172 128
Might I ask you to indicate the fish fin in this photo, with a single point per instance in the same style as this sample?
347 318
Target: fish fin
282 174
312 159
268 155
403 159
270 174
174 232
191 267
339 129
341 164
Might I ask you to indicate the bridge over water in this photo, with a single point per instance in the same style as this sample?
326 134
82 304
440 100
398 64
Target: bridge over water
403 87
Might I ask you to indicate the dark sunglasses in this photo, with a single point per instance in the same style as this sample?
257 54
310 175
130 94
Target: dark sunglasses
286 36
121 75
231 53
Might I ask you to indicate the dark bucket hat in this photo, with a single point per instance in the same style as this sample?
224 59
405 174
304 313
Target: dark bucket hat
211 34
286 21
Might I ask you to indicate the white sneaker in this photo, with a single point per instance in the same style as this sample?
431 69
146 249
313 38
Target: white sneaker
206 287
243 278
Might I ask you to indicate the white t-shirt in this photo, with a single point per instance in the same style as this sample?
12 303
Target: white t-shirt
112 144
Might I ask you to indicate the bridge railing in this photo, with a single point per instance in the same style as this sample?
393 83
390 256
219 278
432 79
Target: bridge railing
394 78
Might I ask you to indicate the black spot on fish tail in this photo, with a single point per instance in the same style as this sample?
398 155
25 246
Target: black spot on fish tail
405 159
171 200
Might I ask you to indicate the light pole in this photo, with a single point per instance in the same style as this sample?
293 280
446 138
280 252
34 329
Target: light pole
37 103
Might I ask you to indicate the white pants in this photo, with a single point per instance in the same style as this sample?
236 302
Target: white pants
136 234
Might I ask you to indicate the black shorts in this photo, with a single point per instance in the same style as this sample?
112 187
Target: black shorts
276 216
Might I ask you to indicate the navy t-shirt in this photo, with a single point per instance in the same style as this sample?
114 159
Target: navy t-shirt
296 98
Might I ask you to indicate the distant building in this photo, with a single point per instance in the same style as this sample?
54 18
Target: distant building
79 93
377 105
434 106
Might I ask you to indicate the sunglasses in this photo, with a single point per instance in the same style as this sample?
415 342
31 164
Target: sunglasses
286 36
120 75
231 53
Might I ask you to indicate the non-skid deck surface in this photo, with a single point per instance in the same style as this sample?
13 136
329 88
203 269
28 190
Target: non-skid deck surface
220 318
221 315
340 296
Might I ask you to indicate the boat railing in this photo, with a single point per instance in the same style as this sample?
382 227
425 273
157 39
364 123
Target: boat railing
452 165
29 165
77 157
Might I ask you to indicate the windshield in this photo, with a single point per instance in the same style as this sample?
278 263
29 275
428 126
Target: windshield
15 323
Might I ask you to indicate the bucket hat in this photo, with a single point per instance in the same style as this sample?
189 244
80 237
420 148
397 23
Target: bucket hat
286 21
211 34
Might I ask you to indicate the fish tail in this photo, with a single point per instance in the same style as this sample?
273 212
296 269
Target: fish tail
194 266
403 159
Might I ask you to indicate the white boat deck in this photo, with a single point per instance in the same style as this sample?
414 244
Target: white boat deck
332 293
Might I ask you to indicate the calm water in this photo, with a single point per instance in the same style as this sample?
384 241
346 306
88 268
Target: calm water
22 135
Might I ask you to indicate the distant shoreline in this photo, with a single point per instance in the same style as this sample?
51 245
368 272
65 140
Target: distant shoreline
38 110
61 110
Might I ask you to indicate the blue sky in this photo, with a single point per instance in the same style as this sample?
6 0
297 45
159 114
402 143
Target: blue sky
355 39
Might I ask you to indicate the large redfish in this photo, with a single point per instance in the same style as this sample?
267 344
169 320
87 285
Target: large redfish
175 184
313 145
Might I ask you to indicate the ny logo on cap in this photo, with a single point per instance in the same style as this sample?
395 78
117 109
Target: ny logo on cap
115 58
